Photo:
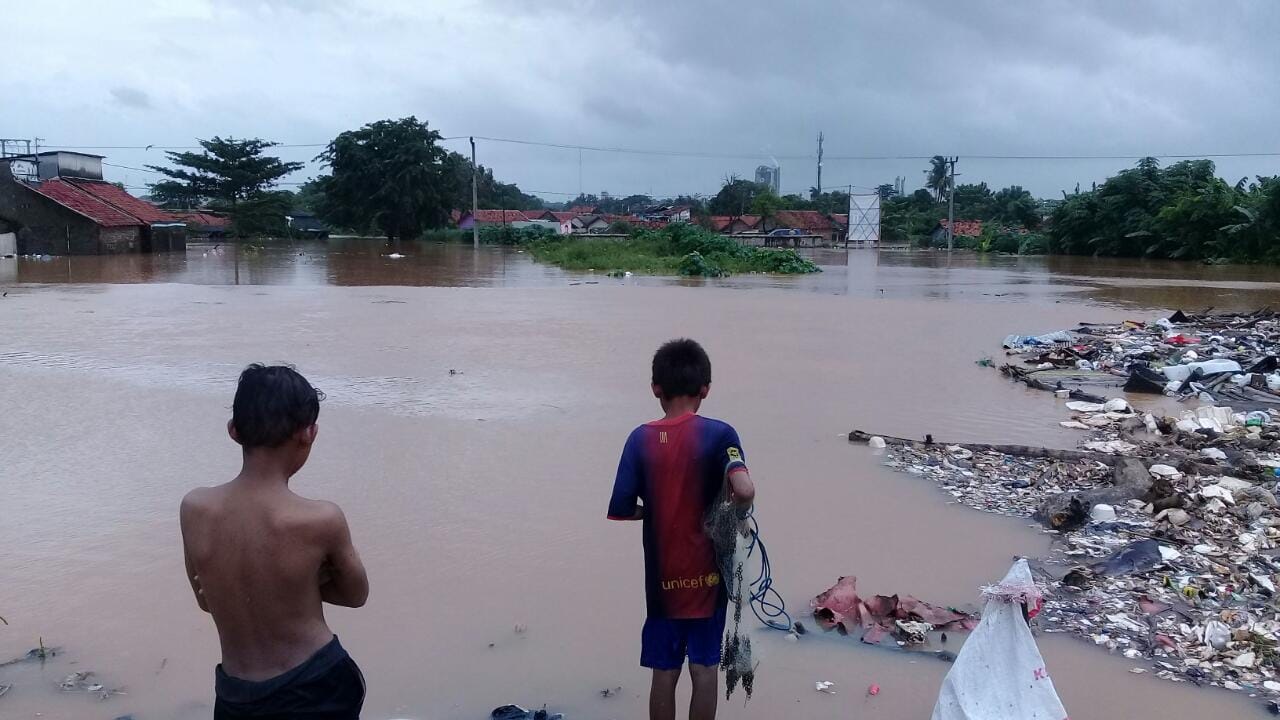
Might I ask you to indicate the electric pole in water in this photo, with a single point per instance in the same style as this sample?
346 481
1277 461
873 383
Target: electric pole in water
951 202
819 188
475 229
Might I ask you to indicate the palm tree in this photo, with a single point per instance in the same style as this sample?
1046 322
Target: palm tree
939 180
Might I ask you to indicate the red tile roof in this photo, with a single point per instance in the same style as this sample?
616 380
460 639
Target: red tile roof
500 216
538 214
72 197
201 218
840 219
563 216
583 209
749 220
720 223
964 228
810 220
121 200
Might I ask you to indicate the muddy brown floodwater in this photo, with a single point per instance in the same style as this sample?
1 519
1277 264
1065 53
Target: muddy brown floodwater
476 407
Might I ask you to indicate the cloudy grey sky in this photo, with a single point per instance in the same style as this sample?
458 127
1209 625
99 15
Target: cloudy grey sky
736 81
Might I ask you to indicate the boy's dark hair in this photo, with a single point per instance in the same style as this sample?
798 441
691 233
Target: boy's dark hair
272 403
681 368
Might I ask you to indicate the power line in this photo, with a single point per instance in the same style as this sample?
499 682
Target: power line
130 167
636 151
729 156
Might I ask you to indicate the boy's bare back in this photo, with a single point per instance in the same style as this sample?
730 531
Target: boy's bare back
262 560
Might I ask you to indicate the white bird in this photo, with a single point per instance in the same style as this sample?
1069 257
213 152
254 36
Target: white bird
395 256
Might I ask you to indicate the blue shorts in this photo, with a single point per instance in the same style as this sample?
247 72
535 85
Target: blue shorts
664 644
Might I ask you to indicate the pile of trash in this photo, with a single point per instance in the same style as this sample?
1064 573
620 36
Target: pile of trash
1169 523
1212 358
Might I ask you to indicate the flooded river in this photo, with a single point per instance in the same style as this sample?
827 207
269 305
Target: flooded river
477 404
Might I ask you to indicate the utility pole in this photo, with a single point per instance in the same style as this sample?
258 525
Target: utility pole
951 203
819 188
475 198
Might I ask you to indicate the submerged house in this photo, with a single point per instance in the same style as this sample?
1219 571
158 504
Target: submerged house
204 224
69 209
303 224
964 228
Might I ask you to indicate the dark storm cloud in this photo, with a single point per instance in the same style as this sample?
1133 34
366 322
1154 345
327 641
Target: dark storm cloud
131 97
750 78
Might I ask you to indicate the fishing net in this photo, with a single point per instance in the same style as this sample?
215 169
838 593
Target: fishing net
724 524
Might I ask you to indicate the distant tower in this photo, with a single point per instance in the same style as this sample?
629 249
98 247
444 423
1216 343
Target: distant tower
770 176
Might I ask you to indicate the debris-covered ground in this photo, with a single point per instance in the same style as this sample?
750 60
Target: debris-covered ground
1169 524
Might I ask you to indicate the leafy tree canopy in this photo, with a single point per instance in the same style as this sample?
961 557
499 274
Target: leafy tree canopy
228 175
389 175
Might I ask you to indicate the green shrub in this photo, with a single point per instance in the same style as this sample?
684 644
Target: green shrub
1034 243
511 235
782 260
695 264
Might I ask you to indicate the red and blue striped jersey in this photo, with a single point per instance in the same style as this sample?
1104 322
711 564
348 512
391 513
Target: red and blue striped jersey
678 469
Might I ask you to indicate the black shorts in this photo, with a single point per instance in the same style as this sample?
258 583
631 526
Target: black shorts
328 686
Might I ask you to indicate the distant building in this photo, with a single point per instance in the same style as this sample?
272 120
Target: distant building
70 210
665 213
303 224
771 177
734 224
590 224
490 217
964 228
810 222
204 225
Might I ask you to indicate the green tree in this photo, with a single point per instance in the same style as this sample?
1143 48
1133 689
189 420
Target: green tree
229 175
973 201
766 205
309 196
391 175
939 179
886 191
1192 225
830 202
736 196
1014 206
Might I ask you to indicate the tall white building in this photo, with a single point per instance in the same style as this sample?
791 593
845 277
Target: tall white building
770 175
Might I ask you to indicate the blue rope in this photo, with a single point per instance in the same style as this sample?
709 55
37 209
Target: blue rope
766 603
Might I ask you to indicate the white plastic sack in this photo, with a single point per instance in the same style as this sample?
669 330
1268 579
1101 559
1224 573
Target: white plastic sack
999 673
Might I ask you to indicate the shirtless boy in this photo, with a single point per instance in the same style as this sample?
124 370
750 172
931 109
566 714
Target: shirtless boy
263 560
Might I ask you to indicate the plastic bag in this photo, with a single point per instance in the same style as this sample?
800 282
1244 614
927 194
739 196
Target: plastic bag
999 673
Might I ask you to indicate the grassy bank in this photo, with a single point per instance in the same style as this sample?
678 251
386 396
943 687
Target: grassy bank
677 249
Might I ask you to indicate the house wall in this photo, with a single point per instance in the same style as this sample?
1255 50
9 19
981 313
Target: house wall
119 240
164 238
43 226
